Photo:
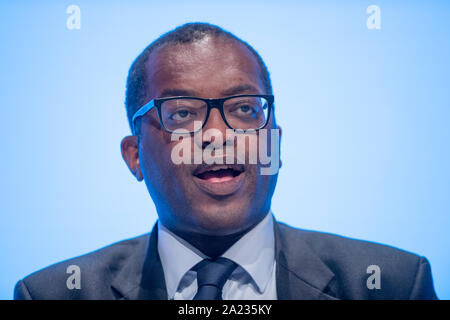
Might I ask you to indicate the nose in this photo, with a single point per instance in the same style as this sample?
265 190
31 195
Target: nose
213 126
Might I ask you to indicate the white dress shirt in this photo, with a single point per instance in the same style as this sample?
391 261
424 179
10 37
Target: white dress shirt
254 253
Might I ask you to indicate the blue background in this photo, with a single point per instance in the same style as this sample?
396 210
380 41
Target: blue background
365 117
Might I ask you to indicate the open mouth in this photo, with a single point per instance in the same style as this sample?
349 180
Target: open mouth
218 173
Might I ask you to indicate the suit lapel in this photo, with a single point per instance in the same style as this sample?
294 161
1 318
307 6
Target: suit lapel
142 277
300 274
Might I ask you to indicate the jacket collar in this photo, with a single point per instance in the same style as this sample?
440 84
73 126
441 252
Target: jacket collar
142 277
300 273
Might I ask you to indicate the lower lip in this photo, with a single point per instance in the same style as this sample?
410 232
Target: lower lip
220 186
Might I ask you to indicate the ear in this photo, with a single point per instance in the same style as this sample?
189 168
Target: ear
279 143
130 153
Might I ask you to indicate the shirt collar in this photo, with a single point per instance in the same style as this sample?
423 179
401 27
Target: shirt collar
254 252
177 257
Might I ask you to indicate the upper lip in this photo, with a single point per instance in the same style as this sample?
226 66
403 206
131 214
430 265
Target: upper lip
202 168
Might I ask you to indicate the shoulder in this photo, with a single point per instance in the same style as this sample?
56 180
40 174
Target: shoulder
332 246
402 274
94 270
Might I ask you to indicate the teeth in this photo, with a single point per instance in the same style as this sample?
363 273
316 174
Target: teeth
215 168
219 168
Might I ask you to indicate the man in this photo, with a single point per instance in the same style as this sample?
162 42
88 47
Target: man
216 237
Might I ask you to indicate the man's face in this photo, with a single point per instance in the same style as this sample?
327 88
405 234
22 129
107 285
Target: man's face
186 201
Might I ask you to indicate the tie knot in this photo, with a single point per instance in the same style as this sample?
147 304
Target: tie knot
214 272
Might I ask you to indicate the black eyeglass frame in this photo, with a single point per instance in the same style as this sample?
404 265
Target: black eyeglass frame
211 104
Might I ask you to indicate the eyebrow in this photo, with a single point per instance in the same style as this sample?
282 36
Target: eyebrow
174 92
242 88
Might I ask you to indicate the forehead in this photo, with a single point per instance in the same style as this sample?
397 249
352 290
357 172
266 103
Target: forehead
208 68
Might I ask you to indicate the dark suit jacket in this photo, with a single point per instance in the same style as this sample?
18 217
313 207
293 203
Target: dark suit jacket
309 265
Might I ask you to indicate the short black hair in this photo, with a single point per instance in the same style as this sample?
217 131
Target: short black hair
187 33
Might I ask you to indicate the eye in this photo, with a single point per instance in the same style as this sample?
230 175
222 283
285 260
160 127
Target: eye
244 110
181 115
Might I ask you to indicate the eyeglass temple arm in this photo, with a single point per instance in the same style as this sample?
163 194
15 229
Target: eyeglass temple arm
143 110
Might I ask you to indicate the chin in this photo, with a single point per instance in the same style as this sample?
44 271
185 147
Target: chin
223 220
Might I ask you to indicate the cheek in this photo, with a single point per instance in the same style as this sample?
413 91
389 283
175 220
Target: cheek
154 155
155 143
163 176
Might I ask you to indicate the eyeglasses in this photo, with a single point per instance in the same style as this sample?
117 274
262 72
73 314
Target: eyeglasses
240 112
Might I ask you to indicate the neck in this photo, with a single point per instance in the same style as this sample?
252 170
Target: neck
211 246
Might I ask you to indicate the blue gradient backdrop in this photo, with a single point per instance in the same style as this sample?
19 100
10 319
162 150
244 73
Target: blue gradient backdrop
365 117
